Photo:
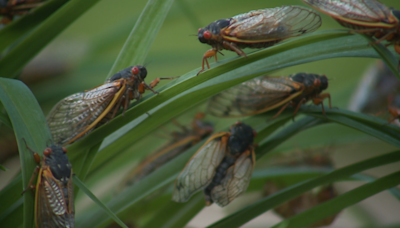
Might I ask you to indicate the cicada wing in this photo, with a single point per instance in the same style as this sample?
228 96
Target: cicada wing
254 96
273 24
200 169
72 115
236 181
51 205
370 11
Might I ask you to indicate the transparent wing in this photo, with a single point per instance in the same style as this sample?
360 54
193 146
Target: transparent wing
273 24
200 170
52 209
359 10
254 96
72 115
236 181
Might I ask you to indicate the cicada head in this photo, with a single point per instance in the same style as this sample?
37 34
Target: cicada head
207 34
139 72
324 82
242 136
55 157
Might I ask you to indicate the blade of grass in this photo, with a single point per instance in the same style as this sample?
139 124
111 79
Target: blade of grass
339 203
82 186
243 216
13 62
30 124
142 35
15 30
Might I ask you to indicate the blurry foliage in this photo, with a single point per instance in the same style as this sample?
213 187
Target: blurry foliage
84 50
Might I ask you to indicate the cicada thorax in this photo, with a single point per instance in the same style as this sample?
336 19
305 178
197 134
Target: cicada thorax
54 199
312 85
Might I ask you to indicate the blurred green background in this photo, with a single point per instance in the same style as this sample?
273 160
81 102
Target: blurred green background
81 57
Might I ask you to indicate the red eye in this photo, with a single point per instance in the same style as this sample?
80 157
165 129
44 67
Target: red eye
207 34
47 152
65 150
317 82
135 70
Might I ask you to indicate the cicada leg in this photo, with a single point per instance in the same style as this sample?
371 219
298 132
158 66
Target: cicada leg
281 110
143 86
210 53
320 99
35 172
303 101
233 47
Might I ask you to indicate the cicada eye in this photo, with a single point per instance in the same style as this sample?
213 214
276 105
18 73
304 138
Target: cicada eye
47 151
65 150
207 34
135 70
317 82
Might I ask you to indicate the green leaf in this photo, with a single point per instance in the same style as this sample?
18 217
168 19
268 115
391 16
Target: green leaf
142 35
13 62
339 203
3 168
243 216
82 186
388 57
30 124
15 30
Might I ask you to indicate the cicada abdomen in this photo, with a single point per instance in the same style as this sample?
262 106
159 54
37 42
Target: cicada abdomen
181 141
257 29
222 167
265 93
364 16
80 113
54 196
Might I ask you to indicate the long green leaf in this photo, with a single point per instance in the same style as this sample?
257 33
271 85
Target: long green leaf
243 216
142 35
339 203
12 32
13 62
30 124
82 186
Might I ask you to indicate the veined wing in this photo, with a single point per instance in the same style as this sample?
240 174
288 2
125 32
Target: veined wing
52 210
72 115
357 10
254 96
272 24
236 181
200 169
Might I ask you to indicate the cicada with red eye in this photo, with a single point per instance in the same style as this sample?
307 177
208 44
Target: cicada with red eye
54 196
181 141
257 29
364 16
222 167
80 113
265 93
11 8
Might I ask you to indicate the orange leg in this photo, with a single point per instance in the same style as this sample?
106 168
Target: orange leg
35 172
143 86
210 53
303 101
320 99
281 110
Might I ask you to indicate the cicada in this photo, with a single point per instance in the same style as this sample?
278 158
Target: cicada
265 93
54 196
257 29
11 8
181 141
80 113
222 167
364 16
